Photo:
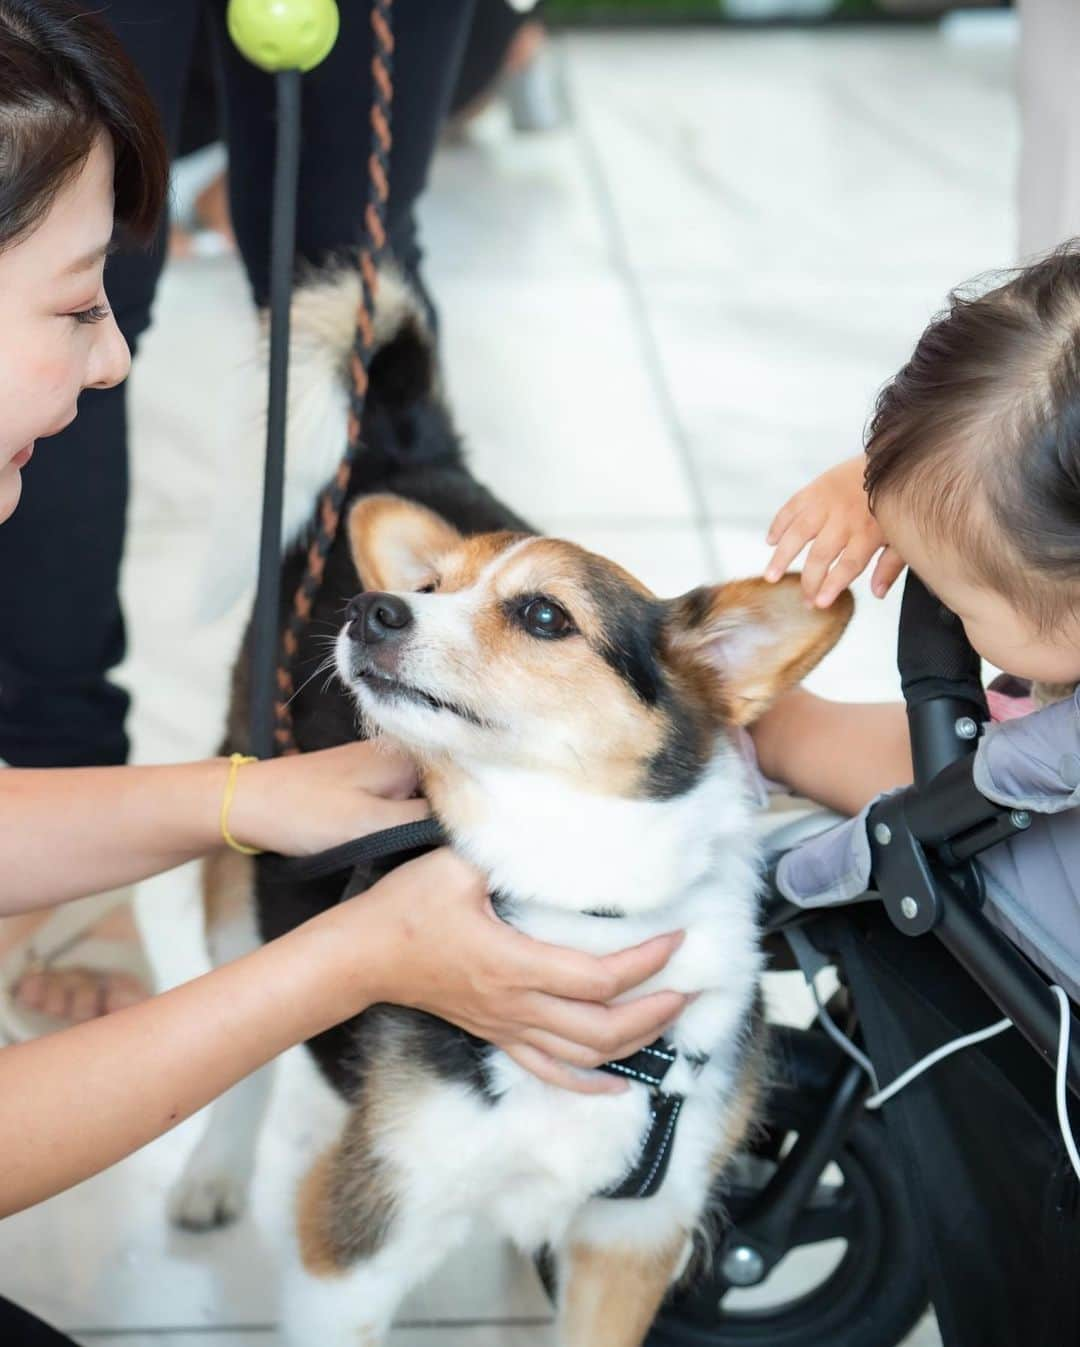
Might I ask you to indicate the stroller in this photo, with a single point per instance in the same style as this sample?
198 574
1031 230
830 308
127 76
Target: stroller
958 1189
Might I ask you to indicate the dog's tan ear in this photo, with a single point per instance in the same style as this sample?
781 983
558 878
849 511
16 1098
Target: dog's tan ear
395 543
760 638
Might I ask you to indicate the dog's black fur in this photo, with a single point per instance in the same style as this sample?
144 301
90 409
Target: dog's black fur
411 449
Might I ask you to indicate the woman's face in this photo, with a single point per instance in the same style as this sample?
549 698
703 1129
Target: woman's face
58 335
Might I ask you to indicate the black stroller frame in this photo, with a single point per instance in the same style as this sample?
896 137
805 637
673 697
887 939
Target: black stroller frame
923 843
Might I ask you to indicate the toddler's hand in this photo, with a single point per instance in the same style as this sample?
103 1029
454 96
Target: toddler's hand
833 514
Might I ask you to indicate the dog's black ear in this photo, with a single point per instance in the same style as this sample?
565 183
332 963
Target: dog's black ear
395 543
403 369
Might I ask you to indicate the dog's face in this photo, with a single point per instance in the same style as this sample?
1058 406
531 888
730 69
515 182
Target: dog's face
531 652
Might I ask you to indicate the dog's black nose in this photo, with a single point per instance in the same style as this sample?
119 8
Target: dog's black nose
377 617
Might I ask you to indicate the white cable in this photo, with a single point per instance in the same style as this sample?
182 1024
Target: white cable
932 1059
839 1037
1062 1079
958 1044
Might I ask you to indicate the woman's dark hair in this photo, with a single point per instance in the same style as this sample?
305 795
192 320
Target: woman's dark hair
979 435
64 78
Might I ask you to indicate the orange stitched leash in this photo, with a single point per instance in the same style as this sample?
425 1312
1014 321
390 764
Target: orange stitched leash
328 514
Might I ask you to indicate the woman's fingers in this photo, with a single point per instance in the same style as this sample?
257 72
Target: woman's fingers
889 566
584 977
603 1033
376 813
573 1053
545 1068
383 769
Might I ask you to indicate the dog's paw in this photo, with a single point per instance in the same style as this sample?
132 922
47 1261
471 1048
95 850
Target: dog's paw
208 1198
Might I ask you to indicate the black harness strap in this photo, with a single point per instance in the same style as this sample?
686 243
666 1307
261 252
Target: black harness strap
420 836
648 1066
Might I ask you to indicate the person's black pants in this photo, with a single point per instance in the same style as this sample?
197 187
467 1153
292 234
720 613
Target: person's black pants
19 1329
61 628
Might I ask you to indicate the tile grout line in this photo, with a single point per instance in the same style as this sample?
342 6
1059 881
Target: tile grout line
624 270
205 1330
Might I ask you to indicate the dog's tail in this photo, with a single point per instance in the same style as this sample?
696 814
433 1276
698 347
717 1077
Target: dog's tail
403 371
323 328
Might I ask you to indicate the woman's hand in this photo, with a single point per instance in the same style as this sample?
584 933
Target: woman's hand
433 941
832 513
313 801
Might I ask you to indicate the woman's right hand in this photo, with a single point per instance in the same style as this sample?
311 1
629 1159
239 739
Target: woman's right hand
432 940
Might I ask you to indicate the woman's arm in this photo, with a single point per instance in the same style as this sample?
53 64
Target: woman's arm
72 831
841 755
426 936
77 1101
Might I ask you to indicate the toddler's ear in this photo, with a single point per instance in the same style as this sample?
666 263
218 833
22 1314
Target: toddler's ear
395 543
760 638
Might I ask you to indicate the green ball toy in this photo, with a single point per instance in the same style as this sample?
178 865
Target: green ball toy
284 34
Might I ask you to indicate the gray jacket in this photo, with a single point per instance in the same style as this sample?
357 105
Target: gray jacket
1032 881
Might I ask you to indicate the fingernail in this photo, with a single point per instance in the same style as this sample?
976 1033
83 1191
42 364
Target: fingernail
772 575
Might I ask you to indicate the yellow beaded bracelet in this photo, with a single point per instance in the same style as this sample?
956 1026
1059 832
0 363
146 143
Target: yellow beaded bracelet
235 763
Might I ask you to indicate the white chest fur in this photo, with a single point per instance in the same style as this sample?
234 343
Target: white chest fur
557 855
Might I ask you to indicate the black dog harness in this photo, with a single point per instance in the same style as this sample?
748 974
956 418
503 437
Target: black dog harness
648 1066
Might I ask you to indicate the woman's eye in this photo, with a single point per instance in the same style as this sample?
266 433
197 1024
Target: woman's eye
98 313
541 617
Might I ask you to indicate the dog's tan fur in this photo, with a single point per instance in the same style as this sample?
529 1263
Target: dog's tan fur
611 1295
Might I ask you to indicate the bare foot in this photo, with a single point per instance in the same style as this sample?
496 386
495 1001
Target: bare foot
71 993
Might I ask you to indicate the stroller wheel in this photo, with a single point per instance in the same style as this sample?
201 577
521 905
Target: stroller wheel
853 1277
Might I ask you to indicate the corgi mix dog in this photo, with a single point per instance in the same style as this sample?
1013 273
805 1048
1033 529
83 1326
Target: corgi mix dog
578 742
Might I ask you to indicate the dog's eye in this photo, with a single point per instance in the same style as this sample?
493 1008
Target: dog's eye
429 588
542 617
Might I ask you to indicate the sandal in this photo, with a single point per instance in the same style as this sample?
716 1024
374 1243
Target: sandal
63 941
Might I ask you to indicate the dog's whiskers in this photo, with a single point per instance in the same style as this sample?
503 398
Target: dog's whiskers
327 663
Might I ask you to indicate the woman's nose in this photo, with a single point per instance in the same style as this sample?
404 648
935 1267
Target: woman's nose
110 359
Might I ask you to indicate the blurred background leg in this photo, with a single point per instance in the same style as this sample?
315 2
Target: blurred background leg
1049 178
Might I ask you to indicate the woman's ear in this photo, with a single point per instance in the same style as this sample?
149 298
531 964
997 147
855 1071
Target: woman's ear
396 543
758 638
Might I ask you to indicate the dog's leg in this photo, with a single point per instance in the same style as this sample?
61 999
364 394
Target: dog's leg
214 1186
610 1291
358 1251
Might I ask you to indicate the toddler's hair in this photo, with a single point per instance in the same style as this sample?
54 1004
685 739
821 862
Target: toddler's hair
979 435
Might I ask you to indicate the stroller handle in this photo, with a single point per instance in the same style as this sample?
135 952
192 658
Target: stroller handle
941 678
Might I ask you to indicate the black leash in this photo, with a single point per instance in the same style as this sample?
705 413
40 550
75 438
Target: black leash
424 835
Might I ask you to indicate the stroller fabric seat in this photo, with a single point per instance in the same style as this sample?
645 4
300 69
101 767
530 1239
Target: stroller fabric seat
1032 881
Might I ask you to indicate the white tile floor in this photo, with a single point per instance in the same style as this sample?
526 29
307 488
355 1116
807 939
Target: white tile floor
658 323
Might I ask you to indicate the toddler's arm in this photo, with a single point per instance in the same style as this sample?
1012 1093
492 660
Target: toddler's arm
840 755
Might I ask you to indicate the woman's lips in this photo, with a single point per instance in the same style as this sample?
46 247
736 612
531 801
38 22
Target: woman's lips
23 456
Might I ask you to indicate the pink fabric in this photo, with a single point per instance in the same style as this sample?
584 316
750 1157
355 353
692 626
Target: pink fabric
1003 707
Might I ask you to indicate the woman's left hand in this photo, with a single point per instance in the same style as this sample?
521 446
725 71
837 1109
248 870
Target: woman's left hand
313 801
